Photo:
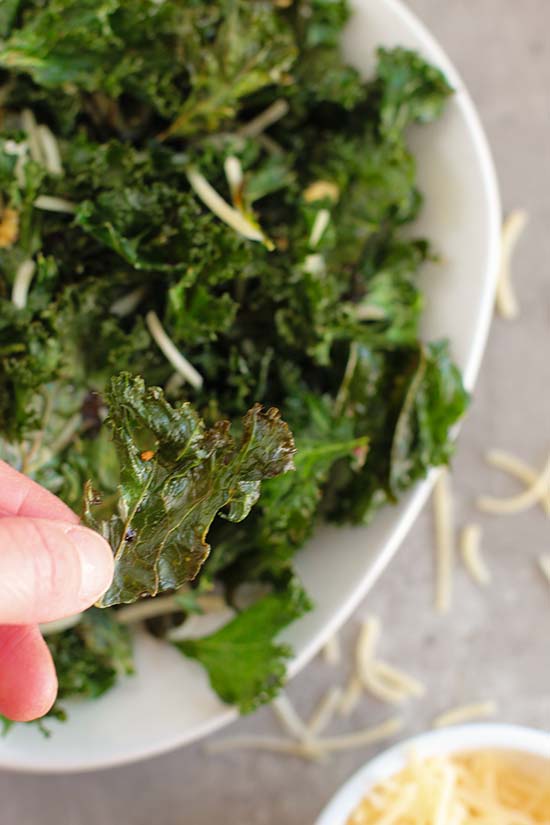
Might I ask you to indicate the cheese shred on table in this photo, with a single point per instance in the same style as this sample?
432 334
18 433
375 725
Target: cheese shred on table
350 697
466 713
537 491
324 712
544 564
489 787
289 719
382 680
518 469
506 301
313 748
470 545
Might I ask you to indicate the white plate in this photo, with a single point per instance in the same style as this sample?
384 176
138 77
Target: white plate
169 703
510 738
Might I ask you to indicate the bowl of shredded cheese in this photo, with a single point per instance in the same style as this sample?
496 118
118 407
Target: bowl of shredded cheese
464 775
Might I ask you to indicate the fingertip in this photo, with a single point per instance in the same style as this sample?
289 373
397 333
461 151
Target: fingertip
50 569
96 563
28 687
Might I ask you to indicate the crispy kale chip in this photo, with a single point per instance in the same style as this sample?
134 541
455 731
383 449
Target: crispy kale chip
175 476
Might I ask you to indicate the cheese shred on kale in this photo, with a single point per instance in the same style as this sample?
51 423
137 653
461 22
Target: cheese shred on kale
211 179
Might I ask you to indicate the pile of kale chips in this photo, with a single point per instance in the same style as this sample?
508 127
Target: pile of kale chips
201 196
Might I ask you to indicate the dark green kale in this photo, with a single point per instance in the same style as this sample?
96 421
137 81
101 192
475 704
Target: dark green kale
409 433
245 666
90 656
411 91
203 197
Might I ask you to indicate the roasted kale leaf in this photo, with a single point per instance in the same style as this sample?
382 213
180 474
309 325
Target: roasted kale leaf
245 665
175 476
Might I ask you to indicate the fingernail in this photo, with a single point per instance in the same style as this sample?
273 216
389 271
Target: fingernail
96 563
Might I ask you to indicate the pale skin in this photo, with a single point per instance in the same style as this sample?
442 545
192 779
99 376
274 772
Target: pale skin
50 567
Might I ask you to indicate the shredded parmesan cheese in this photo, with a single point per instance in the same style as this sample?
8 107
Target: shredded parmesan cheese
11 147
538 491
466 713
408 685
273 744
314 748
324 712
234 174
443 520
172 353
22 282
126 304
288 716
362 738
50 150
350 697
226 213
517 468
381 680
315 265
512 229
49 203
470 545
367 643
28 122
265 119
381 689
332 652
320 189
544 564
322 220
477 788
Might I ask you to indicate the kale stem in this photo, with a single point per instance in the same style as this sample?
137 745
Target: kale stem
161 605
26 465
343 392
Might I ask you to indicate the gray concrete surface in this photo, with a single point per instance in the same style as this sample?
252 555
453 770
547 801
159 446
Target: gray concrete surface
494 644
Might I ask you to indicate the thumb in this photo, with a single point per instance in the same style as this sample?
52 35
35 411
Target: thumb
49 569
28 684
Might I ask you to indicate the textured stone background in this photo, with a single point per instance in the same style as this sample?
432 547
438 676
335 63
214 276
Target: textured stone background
493 644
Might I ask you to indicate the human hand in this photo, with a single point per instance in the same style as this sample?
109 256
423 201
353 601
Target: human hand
50 567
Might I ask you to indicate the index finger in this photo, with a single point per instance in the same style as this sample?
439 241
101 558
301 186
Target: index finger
20 496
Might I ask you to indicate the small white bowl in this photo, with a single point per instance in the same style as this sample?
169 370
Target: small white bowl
511 738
